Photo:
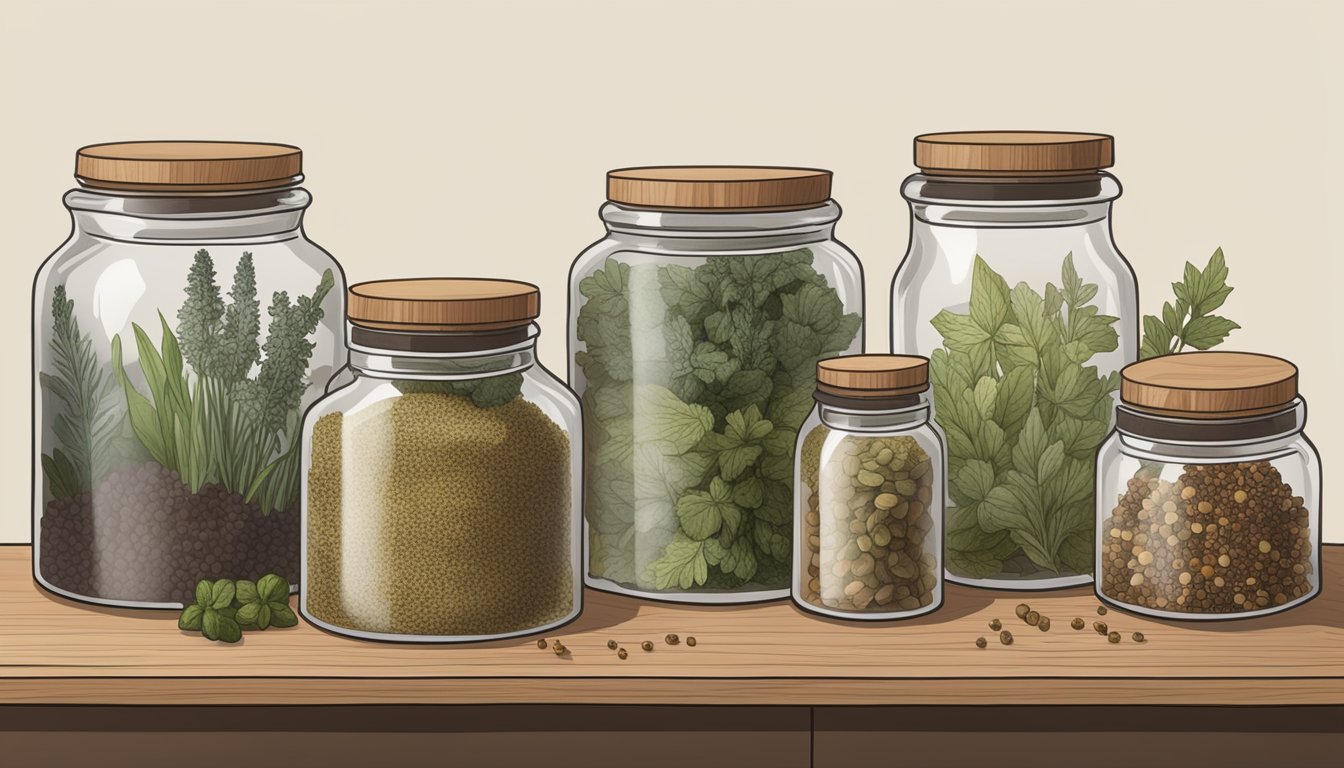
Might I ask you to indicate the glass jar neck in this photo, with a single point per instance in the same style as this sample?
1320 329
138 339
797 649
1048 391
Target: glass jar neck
966 201
441 356
719 229
165 218
889 415
1156 433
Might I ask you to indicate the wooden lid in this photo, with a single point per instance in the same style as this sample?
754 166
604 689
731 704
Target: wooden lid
188 166
1209 385
719 187
873 375
1013 153
444 304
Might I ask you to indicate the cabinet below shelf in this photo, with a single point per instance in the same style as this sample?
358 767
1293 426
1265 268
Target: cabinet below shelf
54 651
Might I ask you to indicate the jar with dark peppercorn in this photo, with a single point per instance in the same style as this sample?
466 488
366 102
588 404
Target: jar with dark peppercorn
868 513
441 488
1208 490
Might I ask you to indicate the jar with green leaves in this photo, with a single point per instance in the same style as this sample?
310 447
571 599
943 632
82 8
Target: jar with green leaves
696 324
868 527
1014 289
178 334
441 489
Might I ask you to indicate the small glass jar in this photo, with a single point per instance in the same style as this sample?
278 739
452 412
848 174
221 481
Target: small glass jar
870 481
1209 501
178 334
441 487
695 326
1014 289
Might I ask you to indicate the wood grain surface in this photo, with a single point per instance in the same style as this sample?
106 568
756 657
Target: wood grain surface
54 651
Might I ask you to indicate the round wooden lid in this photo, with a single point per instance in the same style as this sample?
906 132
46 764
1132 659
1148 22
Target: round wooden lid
445 304
200 166
1209 385
873 375
1013 153
719 187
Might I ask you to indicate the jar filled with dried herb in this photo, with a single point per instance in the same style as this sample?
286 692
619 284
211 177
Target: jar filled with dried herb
1015 290
696 323
868 516
1209 493
441 492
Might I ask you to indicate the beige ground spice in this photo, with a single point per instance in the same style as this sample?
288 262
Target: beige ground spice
429 515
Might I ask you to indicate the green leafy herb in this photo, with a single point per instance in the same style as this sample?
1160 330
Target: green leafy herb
1189 320
89 425
697 380
1023 414
224 608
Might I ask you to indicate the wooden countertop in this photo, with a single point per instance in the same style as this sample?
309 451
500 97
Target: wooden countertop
54 651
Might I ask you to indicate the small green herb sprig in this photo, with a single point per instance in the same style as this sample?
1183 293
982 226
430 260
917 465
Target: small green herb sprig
225 608
1189 321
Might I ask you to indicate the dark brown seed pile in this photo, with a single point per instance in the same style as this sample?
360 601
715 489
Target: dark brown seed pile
446 519
865 540
1223 538
142 536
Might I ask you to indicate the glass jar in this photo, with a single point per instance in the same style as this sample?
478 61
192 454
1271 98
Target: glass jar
1209 500
442 496
1014 289
695 327
177 336
868 519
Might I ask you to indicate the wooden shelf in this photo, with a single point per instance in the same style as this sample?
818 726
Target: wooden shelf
54 651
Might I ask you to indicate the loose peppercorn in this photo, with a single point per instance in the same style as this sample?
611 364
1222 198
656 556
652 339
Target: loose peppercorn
690 641
647 645
1021 610
622 653
1138 637
1101 627
1113 637
1044 626
1077 623
1101 610
611 644
671 639
1032 618
1006 637
542 643
981 642
995 625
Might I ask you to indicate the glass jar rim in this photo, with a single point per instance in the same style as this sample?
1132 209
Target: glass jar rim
699 222
440 344
1108 189
1175 430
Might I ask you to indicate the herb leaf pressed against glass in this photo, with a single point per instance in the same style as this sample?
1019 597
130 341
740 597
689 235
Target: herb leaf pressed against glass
698 378
1023 415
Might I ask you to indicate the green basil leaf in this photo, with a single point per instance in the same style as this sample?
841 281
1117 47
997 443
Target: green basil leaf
190 620
203 593
221 593
273 588
246 591
248 614
282 615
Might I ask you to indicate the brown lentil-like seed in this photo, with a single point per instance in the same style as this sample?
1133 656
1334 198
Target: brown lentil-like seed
980 642
647 645
542 643
690 641
671 639
612 644
1032 618
1006 637
1113 637
1022 610
621 653
995 625
1101 627
1138 637
1045 624
1101 610
1077 623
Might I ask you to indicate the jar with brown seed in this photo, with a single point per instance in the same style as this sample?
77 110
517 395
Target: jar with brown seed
870 486
441 499
1209 492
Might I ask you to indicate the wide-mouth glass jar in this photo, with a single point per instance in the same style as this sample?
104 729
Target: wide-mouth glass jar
868 525
695 327
177 336
1014 289
1209 493
442 486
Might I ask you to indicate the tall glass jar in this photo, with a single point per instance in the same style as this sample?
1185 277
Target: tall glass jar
442 486
177 336
695 327
1014 289
868 525
1209 501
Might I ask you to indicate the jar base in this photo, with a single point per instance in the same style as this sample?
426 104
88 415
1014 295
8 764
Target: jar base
689 598
1158 613
114 603
803 605
1021 585
388 637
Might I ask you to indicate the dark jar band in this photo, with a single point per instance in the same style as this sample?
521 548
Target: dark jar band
867 403
1167 429
414 341
1018 190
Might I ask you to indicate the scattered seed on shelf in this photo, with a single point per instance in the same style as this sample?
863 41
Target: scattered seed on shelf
1022 610
559 648
1101 610
1138 637
995 625
690 641
647 645
1045 624
1077 623
1101 627
541 643
981 642
621 653
671 639
1006 637
611 644
1032 618
1114 637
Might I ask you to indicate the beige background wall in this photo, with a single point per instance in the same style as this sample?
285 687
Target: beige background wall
471 138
